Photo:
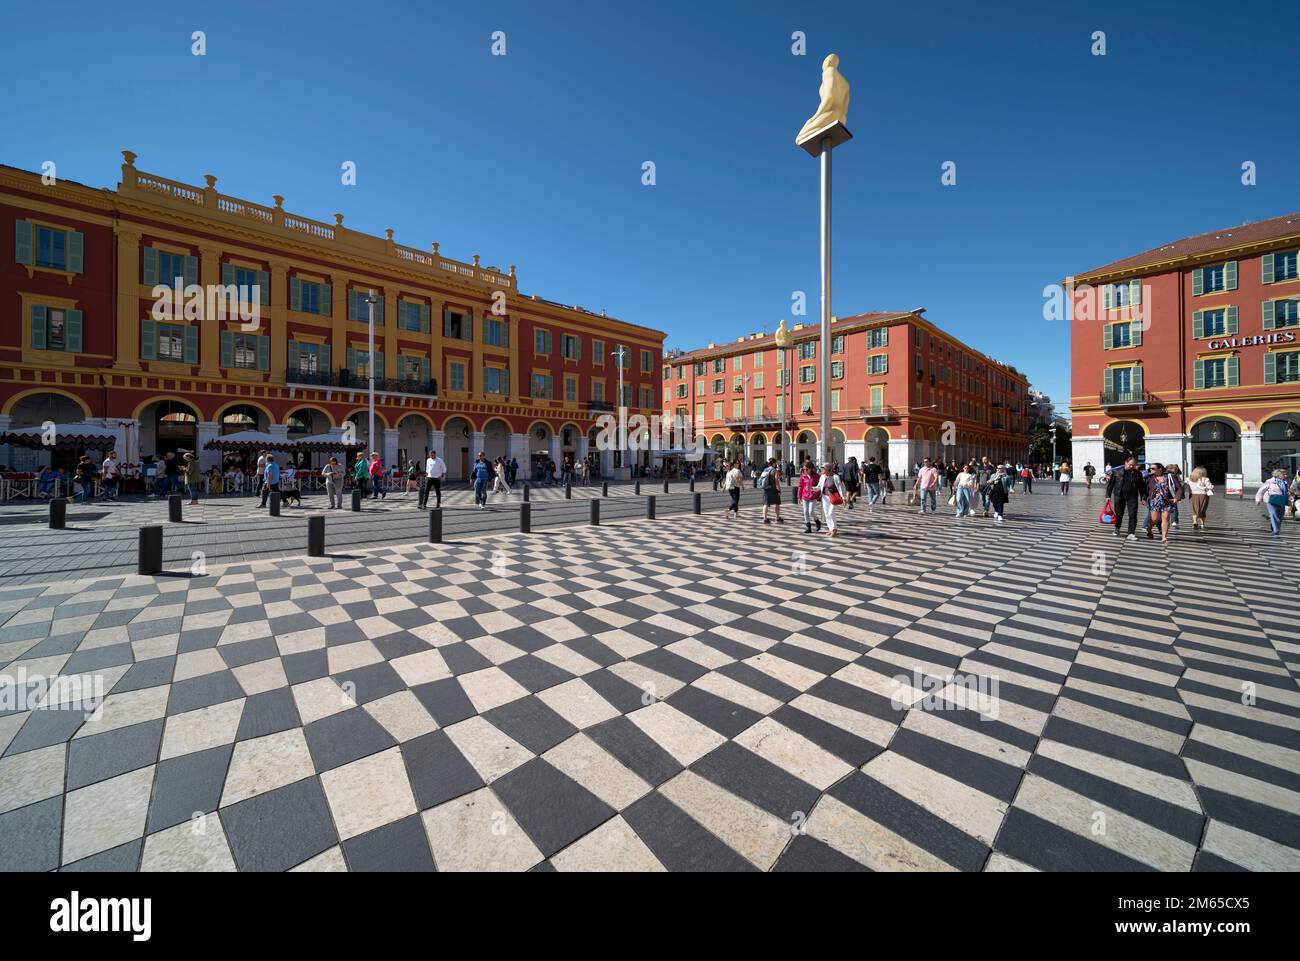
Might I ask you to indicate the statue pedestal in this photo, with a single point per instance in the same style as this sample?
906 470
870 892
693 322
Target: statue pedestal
814 142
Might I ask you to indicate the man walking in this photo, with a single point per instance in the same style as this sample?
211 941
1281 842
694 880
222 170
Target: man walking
109 476
1125 487
480 473
1088 472
271 480
927 486
872 474
333 474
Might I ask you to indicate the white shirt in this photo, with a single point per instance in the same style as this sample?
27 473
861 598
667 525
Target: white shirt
435 467
110 469
733 479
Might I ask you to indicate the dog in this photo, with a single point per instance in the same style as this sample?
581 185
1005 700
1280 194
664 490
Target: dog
291 496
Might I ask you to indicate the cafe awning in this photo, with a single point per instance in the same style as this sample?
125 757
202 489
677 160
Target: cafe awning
62 437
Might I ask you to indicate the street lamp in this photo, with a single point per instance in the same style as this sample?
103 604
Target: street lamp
618 356
824 131
371 300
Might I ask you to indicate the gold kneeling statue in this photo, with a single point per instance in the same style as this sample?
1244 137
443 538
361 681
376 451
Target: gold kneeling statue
834 106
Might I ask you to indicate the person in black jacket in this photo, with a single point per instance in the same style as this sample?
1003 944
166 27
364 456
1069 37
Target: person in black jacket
1125 487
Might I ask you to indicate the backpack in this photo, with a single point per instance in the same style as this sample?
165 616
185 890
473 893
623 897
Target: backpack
768 480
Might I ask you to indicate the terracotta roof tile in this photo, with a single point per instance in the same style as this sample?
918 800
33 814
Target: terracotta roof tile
1227 238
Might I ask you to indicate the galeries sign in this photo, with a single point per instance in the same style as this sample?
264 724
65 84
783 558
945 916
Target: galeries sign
1259 340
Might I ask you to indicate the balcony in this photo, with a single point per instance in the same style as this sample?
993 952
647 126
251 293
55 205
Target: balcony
601 406
879 413
346 380
763 419
1126 398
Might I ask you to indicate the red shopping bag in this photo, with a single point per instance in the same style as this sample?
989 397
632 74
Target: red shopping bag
1107 515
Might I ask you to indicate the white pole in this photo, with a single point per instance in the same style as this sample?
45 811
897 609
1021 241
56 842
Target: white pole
825 441
370 366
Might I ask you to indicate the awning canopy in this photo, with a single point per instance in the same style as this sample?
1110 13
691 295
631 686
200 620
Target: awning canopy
324 442
64 437
244 439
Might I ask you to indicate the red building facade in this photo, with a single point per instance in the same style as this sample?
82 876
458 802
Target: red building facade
464 362
901 389
1190 353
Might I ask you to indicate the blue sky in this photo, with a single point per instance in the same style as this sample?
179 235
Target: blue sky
1065 160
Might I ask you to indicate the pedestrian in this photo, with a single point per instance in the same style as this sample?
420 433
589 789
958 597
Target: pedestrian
1202 490
270 479
193 478
927 484
1177 491
1065 477
435 469
585 469
1088 472
361 474
110 475
413 477
852 482
1159 499
480 473
965 486
1027 475
770 482
172 473
1272 494
85 478
499 484
831 489
259 477
1125 486
333 474
871 474
378 490
808 498
732 484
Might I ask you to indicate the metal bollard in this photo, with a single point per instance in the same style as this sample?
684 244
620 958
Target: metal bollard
650 507
435 525
692 484
274 503
174 508
697 498
316 536
637 490
715 482
595 512
525 493
794 495
149 551
356 499
525 518
665 487
604 489
568 492
58 513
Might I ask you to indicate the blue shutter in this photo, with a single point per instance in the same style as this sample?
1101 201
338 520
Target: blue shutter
1270 314
1107 338
263 353
1198 375
1230 275
293 356
324 354
1233 371
264 286
377 365
76 248
39 314
1198 281
148 339
227 349
424 319
295 293
72 331
327 299
150 266
23 250
352 360
1231 322
379 311
1270 368
191 270
191 344
1266 269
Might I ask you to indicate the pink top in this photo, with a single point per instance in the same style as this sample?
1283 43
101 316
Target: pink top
927 479
807 487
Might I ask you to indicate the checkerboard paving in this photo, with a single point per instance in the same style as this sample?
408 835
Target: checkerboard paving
693 693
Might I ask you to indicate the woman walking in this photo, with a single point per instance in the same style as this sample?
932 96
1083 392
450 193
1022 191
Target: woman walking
966 487
1202 491
193 477
770 481
808 498
831 489
732 482
1065 477
1159 499
999 492
1272 494
500 485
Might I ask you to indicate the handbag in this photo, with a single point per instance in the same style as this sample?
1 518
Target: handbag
835 498
952 500
1107 515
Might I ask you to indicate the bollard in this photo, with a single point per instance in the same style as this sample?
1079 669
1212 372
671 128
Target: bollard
315 535
568 491
692 484
794 495
665 487
637 490
715 482
149 552
604 489
525 518
58 513
650 507
525 493
595 512
356 499
174 508
435 525
697 499
274 502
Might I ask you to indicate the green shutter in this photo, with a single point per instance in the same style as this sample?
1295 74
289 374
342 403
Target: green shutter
324 354
1135 333
295 293
1198 323
352 360
1107 338
424 319
24 252
227 348
150 266
1107 381
353 311
76 252
1270 314
148 339
1270 367
227 274
191 270
191 345
263 353
379 311
467 326
293 355
1266 268
1230 275
1136 382
1135 291
72 331
38 326
327 300
1198 281
1231 327
1107 297
1234 371
1198 375
377 368
264 286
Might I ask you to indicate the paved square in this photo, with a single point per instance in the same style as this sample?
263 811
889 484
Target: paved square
690 693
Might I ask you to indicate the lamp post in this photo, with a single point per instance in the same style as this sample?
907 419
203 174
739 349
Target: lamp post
618 356
782 338
745 381
371 300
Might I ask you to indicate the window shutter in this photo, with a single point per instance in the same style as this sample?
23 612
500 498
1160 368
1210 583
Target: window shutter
327 300
1270 314
1198 281
148 340
467 327
505 381
352 360
1266 268
377 368
191 345
264 285
72 333
227 348
39 315
76 249
424 320
295 293
150 266
191 270
1108 296
1233 371
23 250
1230 275
1135 333
263 353
1231 321
884 336
1108 381
424 369
324 354
1198 323
1198 375
1107 336
1136 382
379 311
293 355
227 274
352 305
1270 368
1134 291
